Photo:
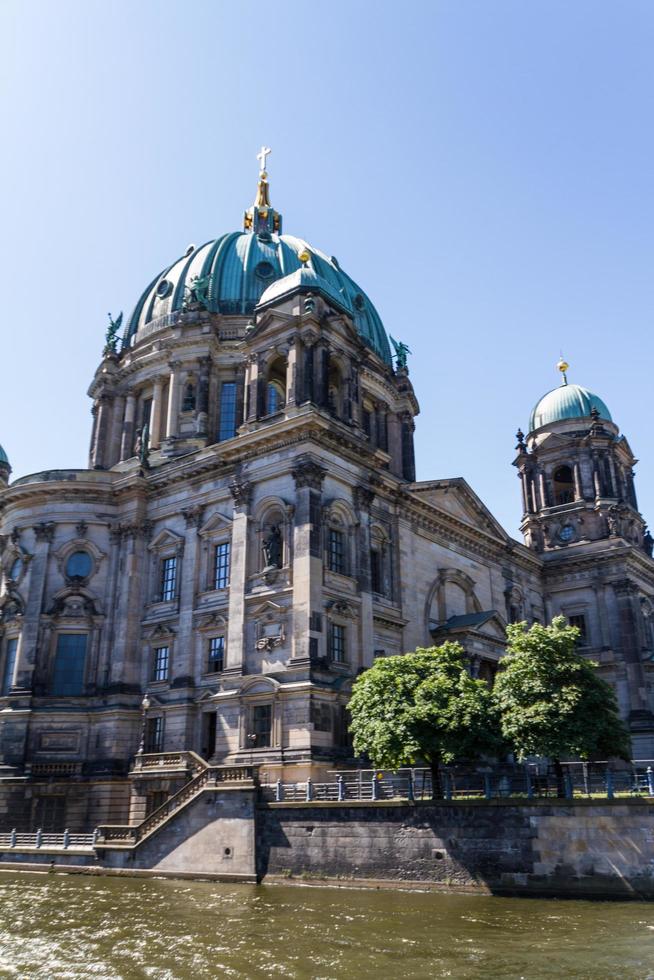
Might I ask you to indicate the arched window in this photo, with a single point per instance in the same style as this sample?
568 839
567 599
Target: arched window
563 485
276 387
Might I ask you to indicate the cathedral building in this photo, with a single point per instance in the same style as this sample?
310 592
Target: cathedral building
249 535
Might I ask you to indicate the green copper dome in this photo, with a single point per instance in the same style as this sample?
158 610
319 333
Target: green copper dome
4 459
238 268
568 401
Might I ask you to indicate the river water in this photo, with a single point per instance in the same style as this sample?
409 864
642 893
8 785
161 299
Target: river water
64 926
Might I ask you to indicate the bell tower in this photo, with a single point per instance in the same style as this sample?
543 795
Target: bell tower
576 471
580 514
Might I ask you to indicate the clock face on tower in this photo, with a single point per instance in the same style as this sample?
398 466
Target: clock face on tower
566 533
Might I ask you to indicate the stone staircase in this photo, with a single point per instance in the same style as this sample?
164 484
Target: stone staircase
208 778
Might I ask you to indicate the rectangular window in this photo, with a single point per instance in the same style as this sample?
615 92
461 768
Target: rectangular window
50 814
262 725
337 643
168 579
11 649
160 664
375 571
69 665
580 623
154 734
216 654
221 565
321 716
336 551
227 421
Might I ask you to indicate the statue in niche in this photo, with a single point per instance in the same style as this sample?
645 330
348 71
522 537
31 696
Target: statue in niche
188 402
272 548
142 446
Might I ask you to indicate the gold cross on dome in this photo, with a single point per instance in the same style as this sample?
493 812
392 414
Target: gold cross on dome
261 156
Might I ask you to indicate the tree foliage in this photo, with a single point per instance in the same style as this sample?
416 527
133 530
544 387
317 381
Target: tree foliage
422 706
551 700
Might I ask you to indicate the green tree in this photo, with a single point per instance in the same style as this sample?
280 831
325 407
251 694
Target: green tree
422 706
551 700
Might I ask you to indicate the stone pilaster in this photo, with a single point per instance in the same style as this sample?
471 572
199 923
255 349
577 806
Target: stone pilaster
155 416
241 491
128 428
363 498
307 553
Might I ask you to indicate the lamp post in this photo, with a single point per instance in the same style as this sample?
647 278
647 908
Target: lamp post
145 707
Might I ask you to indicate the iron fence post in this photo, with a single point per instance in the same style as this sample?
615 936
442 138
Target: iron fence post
279 791
341 788
309 789
609 784
66 838
12 841
410 793
39 837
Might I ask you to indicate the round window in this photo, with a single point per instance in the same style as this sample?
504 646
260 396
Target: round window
264 270
164 288
567 533
16 569
79 565
359 302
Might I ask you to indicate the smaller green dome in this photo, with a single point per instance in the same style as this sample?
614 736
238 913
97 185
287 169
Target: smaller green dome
568 401
4 459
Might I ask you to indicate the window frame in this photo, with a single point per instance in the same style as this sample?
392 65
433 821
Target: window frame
157 673
212 660
54 692
337 643
336 551
222 581
227 407
166 592
154 733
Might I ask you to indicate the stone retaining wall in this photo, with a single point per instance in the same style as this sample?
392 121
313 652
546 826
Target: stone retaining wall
582 848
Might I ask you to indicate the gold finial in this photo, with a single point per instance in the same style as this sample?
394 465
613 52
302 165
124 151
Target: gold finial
563 366
304 256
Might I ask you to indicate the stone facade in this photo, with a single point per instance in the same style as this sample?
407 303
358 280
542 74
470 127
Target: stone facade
249 536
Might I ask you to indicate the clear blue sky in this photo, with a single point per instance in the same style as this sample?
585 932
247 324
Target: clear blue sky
483 168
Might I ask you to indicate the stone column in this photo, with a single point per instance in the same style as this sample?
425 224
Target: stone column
577 479
542 488
597 482
126 661
155 416
252 389
203 397
183 667
117 413
395 444
363 498
102 431
525 492
128 428
241 492
174 389
307 553
628 650
293 360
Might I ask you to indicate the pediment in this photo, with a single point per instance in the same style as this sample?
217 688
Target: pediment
456 497
260 685
215 524
166 539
